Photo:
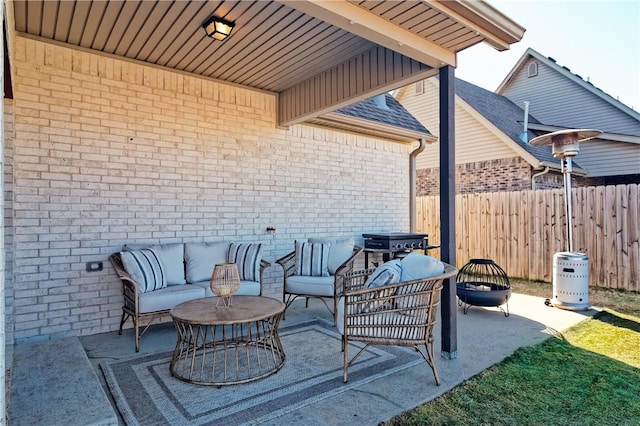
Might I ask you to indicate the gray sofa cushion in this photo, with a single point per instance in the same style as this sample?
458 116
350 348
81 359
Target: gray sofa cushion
172 258
201 258
169 297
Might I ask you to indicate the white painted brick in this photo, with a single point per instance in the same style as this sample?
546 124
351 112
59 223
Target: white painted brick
135 154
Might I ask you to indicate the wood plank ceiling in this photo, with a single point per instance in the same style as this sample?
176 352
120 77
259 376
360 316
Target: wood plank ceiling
275 46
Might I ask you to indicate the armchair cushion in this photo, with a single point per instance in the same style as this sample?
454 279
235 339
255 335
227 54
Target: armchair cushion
247 257
416 266
313 286
312 259
339 252
145 268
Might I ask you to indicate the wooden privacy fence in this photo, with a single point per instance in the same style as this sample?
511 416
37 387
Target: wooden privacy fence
521 231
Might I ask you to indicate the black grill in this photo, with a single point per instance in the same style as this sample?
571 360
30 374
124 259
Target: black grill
395 241
394 244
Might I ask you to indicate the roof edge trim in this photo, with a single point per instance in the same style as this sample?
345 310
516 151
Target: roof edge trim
498 29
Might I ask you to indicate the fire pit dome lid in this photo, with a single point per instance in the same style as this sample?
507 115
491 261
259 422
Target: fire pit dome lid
482 274
481 282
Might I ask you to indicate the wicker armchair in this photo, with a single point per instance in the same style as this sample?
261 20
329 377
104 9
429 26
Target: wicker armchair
401 314
327 287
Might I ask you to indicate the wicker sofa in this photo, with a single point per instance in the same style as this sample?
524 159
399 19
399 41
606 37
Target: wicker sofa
182 273
298 282
400 314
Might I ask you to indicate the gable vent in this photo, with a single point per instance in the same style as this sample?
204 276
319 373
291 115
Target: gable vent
532 70
420 87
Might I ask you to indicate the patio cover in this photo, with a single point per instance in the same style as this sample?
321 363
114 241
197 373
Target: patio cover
316 56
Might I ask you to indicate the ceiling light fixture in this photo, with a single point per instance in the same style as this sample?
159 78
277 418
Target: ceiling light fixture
218 28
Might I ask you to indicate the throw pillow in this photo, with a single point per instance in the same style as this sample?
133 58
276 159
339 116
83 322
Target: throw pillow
388 273
416 266
145 268
339 252
312 259
247 257
171 257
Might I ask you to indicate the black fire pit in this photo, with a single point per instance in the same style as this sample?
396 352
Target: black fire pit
481 282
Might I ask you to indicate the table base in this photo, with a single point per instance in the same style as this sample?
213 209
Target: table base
224 355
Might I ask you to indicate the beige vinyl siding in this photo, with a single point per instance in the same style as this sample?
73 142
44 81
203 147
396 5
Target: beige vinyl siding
557 100
474 140
605 158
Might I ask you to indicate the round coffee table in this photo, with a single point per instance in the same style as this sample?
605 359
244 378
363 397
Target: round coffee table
220 345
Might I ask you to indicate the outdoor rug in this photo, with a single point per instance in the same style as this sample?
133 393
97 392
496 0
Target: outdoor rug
146 393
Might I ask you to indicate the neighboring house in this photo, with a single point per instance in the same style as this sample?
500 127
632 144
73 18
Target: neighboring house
561 99
490 154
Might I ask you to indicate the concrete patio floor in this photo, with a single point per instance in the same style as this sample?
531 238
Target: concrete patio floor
485 337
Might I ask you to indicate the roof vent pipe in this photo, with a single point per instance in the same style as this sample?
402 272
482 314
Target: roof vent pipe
525 133
381 101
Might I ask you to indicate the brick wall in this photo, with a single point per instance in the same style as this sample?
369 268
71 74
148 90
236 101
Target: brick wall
108 152
7 170
503 174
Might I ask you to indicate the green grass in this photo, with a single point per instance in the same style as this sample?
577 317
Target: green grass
589 375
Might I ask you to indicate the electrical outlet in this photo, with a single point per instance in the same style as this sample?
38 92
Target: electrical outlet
94 266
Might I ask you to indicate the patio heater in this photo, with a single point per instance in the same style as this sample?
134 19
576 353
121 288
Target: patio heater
570 269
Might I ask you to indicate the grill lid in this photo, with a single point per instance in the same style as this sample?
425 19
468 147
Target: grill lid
395 236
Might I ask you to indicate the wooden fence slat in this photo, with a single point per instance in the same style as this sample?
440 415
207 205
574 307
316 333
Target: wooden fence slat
590 230
622 237
521 231
610 230
521 215
504 231
633 230
602 278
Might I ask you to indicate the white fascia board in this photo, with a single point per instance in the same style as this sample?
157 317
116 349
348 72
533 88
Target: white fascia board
362 23
498 30
375 127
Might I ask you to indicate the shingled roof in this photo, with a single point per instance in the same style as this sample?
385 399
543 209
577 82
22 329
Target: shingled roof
381 116
505 115
389 112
